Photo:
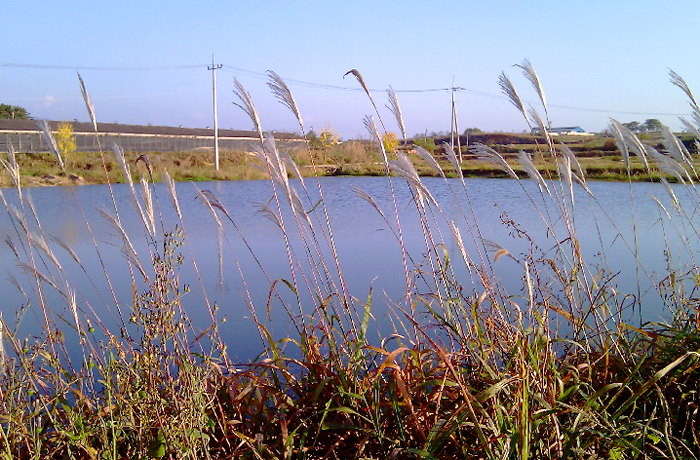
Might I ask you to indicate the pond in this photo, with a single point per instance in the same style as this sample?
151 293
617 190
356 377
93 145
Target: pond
237 264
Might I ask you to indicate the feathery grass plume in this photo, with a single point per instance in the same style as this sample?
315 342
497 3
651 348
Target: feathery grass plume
127 248
678 81
29 270
531 75
488 155
564 169
366 196
281 91
620 141
691 128
202 198
576 165
173 195
88 103
374 135
528 166
452 157
509 90
537 120
66 248
428 158
247 106
660 205
12 168
465 256
498 250
674 147
51 142
11 245
396 110
68 295
669 190
126 171
148 204
39 242
635 145
668 165
357 75
404 168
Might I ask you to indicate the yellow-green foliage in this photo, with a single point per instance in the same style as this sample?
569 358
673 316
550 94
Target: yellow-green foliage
65 138
390 141
329 137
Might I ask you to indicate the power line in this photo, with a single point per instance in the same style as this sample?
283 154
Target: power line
263 76
67 67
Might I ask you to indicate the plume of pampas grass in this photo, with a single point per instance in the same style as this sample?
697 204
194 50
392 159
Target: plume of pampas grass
246 104
452 157
488 155
531 75
374 135
691 128
29 270
88 103
66 248
202 198
127 248
576 165
12 168
669 190
564 169
537 121
428 158
284 95
668 165
173 195
40 242
361 80
509 90
529 167
51 141
674 147
678 81
404 168
620 141
148 204
126 171
396 110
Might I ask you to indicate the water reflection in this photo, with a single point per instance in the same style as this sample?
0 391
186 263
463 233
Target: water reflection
367 248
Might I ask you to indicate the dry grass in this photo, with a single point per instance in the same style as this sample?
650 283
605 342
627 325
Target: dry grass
491 375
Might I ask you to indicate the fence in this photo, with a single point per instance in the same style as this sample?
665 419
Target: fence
31 141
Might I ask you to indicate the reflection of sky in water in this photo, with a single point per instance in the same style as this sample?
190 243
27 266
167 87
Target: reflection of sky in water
367 249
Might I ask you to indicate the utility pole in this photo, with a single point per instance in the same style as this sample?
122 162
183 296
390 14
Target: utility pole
213 68
454 127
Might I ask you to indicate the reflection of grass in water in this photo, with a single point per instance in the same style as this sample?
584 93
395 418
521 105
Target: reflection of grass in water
490 375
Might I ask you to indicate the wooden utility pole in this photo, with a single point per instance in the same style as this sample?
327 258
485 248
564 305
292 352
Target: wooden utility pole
213 68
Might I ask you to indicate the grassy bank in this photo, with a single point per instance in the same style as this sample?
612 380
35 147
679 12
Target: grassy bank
350 158
549 371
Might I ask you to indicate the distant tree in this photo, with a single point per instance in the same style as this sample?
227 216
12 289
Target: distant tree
472 131
633 126
13 112
328 137
653 125
65 138
390 141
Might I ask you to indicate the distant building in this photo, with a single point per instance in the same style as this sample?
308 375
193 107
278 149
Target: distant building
564 131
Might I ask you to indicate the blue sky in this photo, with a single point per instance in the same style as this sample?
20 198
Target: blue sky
595 59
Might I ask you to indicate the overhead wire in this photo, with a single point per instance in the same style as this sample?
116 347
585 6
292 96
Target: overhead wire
263 76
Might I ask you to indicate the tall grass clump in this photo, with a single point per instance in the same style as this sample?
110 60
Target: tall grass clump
560 366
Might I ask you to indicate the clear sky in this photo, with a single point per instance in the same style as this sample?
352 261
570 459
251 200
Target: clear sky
595 59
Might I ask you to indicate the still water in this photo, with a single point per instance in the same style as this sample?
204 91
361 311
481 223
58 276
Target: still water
368 251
